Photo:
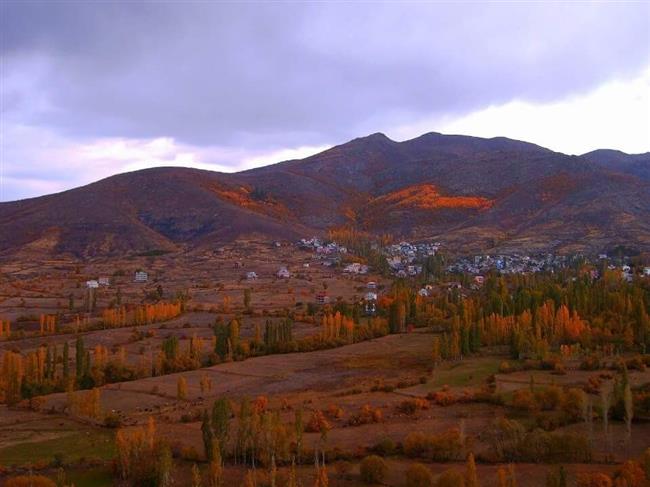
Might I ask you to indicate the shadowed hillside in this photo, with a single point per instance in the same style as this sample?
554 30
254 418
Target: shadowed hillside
466 191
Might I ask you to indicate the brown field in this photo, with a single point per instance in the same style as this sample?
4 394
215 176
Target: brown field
349 377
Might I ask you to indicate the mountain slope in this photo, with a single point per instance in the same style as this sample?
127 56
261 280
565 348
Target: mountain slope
635 164
470 192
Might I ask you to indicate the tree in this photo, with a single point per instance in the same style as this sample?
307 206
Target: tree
164 465
418 475
451 478
181 388
215 468
247 299
221 413
436 352
471 479
66 360
197 481
80 358
208 436
299 429
557 478
629 407
373 469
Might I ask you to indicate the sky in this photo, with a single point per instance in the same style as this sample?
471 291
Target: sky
91 89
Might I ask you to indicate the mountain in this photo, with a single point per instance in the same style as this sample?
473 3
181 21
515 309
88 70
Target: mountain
635 164
470 193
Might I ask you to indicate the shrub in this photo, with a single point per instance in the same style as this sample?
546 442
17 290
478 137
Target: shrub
366 415
510 442
334 411
385 447
574 403
631 474
417 475
343 469
596 479
524 399
591 362
549 398
411 406
451 478
443 397
112 420
317 423
373 469
506 367
443 447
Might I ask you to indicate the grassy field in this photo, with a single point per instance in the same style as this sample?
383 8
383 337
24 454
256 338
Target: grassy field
469 373
67 448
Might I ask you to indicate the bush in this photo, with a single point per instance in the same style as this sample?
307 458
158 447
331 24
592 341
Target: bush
443 447
417 475
510 442
591 362
451 478
373 469
574 403
549 398
524 399
112 420
595 479
385 447
366 415
411 406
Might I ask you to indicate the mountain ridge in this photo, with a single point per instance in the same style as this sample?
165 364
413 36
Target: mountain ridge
538 198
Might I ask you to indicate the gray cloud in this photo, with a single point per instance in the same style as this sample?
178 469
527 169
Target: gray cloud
269 75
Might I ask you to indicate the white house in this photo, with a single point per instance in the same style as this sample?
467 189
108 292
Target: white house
92 284
371 296
646 271
283 273
251 276
141 276
371 285
352 268
423 292
104 281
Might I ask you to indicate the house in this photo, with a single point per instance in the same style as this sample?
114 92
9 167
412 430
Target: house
423 292
283 273
371 285
251 276
479 280
370 303
141 276
356 268
646 271
306 265
104 281
92 284
322 297
371 296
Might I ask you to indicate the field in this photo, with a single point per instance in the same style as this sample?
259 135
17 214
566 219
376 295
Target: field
374 394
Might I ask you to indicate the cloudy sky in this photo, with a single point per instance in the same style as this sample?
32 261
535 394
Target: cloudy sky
90 89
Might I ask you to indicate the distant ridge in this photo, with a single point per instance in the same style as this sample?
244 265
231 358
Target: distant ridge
470 193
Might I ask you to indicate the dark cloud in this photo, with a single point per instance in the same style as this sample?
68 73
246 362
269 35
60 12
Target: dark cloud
276 74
